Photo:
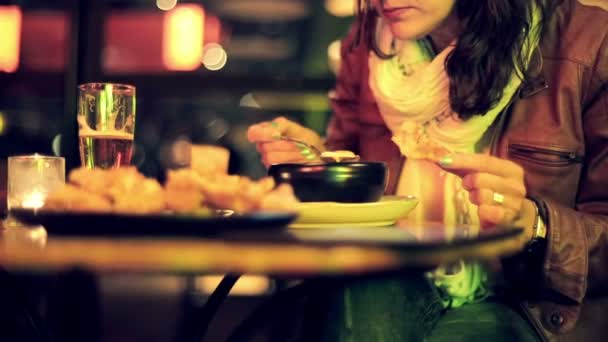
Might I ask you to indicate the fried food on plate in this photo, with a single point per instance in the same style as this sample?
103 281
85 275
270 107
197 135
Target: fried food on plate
122 190
143 197
96 181
237 193
73 198
183 193
281 199
127 191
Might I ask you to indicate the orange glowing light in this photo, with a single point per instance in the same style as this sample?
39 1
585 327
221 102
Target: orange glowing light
10 37
183 37
213 29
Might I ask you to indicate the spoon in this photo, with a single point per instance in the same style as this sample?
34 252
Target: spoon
312 152
306 148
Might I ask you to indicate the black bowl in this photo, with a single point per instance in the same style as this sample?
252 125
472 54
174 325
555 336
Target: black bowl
355 182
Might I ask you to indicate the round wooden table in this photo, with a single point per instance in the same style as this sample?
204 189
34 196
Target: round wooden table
280 253
300 253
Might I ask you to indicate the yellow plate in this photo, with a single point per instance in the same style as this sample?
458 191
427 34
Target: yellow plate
354 215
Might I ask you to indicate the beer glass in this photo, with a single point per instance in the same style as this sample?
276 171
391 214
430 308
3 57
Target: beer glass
106 124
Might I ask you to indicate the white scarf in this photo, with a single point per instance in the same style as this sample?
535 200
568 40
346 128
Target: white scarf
416 108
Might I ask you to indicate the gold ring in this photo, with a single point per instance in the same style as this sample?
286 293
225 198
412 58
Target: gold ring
498 198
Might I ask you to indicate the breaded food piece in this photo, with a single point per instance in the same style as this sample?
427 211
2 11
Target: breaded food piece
143 197
124 180
183 193
92 180
280 199
223 192
183 179
255 191
237 193
418 144
75 199
209 161
184 201
106 182
430 152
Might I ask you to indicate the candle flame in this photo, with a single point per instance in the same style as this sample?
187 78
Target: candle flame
35 200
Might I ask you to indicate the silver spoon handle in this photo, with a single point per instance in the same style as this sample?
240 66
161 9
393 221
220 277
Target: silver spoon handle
314 149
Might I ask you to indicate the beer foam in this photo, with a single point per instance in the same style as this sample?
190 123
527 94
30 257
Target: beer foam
85 131
105 135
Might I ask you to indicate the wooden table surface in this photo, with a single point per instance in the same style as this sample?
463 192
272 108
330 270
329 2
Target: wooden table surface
299 253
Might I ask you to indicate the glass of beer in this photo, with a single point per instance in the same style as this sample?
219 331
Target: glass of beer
106 124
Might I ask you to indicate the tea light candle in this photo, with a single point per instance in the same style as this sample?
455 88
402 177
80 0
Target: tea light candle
35 200
32 178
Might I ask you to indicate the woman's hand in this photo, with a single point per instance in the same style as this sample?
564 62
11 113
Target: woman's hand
497 187
274 151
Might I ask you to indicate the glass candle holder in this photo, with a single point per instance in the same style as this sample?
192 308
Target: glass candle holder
31 178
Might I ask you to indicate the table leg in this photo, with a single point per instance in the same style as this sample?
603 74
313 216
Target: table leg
276 306
197 320
19 319
74 307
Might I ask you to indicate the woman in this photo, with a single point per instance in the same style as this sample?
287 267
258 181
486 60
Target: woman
506 102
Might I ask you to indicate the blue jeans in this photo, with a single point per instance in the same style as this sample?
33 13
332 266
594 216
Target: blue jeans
408 308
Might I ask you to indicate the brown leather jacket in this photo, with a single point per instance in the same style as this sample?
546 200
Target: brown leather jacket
557 129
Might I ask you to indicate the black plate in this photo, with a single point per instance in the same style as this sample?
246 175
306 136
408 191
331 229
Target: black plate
83 224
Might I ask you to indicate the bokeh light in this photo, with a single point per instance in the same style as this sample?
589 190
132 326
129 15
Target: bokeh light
166 5
249 101
214 57
183 37
333 56
56 145
2 123
180 151
10 38
341 8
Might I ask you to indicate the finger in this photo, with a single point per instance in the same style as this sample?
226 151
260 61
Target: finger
287 127
296 131
492 215
464 163
505 186
278 146
481 197
262 132
286 157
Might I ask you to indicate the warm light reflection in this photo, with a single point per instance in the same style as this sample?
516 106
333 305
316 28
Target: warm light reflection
246 286
166 5
249 101
35 200
213 29
183 34
10 37
2 123
180 151
341 8
214 57
333 56
56 145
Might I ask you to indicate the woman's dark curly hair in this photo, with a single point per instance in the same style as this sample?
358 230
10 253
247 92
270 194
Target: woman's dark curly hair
488 50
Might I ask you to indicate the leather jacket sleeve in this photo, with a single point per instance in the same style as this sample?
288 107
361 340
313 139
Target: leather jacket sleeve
578 238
